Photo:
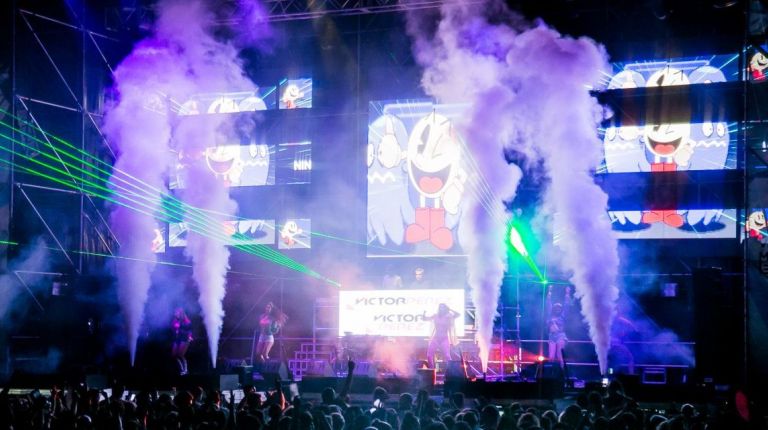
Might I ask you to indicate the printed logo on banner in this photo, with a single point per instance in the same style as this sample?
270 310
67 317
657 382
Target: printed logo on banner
395 312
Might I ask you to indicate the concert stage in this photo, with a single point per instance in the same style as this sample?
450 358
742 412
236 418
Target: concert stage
531 197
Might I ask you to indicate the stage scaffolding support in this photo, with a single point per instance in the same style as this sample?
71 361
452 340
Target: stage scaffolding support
138 16
754 134
58 72
76 78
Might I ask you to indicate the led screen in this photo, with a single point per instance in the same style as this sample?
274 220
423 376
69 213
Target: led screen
241 232
417 168
708 145
295 233
675 224
755 225
294 163
234 165
674 71
669 147
228 102
396 312
757 65
296 94
660 148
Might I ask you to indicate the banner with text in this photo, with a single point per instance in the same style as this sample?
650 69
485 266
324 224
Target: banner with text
396 312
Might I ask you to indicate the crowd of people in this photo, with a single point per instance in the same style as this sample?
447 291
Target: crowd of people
82 408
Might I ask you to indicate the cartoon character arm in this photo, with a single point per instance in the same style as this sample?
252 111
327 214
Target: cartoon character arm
684 153
451 198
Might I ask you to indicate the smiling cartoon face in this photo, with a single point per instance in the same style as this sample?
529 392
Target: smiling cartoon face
290 229
222 159
756 221
665 140
758 62
292 93
433 154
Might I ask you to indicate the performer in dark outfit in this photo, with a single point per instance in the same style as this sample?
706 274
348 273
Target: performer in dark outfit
181 328
269 324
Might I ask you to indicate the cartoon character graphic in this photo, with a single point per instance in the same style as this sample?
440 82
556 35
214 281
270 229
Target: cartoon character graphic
757 65
158 242
755 225
389 208
291 94
224 161
669 145
666 147
256 159
434 153
289 232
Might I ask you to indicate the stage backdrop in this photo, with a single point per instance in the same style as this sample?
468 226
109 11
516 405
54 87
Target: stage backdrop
396 312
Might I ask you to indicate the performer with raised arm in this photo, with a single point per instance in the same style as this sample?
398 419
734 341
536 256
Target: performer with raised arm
443 333
269 324
181 329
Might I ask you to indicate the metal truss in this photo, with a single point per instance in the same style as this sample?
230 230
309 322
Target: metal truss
90 213
288 10
139 17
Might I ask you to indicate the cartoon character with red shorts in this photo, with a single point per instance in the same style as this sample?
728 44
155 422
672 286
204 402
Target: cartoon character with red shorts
758 65
669 144
434 154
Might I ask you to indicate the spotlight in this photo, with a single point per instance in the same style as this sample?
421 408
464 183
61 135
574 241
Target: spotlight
541 359
517 241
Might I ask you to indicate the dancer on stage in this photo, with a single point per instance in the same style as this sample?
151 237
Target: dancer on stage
269 324
181 327
556 325
443 335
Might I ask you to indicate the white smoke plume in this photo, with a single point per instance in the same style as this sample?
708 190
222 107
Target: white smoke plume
33 258
527 88
182 58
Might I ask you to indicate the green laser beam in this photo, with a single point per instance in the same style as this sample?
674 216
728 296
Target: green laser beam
75 179
515 241
111 168
165 199
121 257
250 249
188 210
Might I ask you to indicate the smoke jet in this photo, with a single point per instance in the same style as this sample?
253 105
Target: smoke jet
181 59
527 90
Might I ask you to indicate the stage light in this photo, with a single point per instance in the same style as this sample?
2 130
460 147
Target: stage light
541 358
516 241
